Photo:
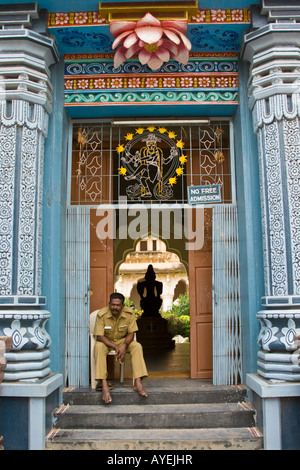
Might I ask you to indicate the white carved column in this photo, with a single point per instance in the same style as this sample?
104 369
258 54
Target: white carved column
25 105
273 51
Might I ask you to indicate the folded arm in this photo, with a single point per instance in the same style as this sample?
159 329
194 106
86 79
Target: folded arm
120 350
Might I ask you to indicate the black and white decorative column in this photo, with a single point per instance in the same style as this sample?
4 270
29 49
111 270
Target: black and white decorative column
25 104
273 50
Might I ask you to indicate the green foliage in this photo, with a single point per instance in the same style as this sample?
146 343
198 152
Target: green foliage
185 319
129 303
179 317
181 305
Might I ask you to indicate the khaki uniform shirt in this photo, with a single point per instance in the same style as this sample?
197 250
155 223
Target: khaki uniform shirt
115 330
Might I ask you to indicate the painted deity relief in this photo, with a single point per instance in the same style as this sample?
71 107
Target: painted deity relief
151 164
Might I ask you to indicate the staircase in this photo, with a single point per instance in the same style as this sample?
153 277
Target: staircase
179 414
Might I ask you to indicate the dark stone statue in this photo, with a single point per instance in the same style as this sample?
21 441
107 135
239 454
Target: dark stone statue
150 291
153 329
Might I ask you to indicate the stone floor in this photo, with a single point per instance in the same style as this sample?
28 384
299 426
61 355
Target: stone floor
174 363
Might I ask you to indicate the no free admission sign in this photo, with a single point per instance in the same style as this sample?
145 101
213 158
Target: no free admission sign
205 194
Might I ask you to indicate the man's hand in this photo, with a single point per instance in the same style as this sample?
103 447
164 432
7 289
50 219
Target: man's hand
121 351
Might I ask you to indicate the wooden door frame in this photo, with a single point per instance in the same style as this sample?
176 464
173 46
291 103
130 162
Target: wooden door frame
193 258
201 315
102 263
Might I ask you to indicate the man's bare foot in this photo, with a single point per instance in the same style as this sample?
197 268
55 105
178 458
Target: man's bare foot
105 392
138 387
111 385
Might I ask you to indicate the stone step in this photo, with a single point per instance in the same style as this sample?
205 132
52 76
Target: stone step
155 439
196 415
178 414
159 395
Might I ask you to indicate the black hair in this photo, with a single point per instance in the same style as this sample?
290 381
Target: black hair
116 295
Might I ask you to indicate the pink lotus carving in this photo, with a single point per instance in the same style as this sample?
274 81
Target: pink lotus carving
154 41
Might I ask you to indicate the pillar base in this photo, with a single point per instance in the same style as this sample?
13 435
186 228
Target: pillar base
35 400
278 411
278 366
278 357
29 356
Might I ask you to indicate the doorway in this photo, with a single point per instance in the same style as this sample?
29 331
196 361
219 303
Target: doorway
98 186
171 359
115 260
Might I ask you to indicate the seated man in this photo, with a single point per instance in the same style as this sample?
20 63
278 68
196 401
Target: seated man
114 329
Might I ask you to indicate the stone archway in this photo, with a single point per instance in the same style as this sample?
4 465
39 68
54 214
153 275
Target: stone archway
181 288
168 268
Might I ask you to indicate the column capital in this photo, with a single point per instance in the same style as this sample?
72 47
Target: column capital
258 41
26 55
29 22
30 42
276 10
273 52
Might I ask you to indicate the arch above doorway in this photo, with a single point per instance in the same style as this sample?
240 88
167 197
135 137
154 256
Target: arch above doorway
168 267
180 289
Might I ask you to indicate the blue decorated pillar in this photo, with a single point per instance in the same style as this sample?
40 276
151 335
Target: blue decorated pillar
25 105
273 51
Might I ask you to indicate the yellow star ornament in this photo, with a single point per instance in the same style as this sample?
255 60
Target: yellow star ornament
120 148
180 144
172 181
183 159
162 130
122 171
172 135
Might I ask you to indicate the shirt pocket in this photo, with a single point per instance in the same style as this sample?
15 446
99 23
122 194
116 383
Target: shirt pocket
108 332
123 330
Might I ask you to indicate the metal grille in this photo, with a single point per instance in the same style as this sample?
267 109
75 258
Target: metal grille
148 164
227 347
77 296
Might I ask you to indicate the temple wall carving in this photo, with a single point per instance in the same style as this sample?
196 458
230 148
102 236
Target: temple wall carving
273 53
25 105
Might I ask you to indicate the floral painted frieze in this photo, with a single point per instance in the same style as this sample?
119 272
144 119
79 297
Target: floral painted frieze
213 30
89 18
87 72
222 16
93 79
74 18
195 62
164 82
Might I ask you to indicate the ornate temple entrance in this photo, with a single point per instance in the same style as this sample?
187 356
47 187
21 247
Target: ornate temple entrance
131 181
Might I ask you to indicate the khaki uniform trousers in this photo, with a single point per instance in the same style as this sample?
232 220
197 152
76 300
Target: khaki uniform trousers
135 349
